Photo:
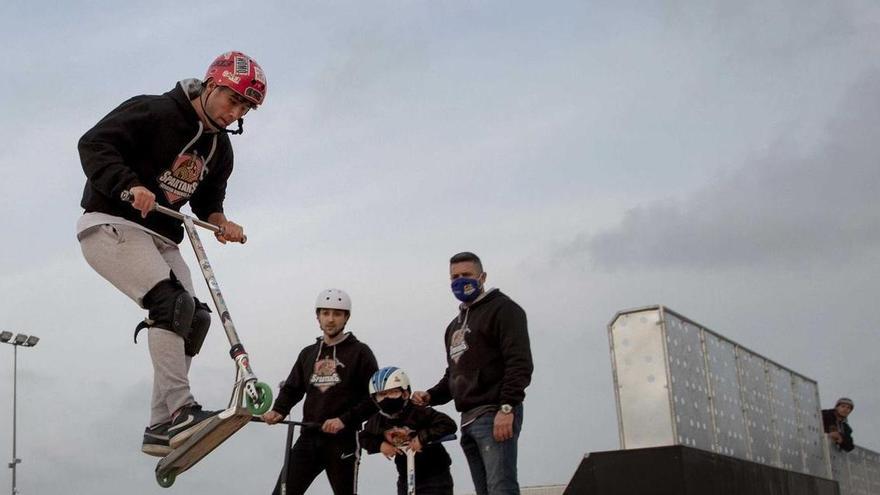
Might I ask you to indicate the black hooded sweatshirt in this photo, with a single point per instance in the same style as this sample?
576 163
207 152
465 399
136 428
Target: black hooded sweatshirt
832 423
488 355
429 425
334 380
156 141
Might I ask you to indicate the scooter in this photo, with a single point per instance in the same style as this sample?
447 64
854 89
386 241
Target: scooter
287 445
400 438
249 397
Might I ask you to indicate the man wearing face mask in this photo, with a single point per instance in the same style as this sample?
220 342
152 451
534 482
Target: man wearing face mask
333 374
489 366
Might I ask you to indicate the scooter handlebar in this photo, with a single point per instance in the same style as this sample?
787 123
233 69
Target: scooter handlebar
257 419
128 197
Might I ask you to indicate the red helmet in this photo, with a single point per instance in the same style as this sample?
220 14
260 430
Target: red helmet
240 73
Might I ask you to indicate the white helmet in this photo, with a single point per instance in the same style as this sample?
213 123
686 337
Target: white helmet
333 299
387 379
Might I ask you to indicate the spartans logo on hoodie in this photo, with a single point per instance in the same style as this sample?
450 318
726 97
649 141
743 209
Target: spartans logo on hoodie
458 344
325 375
180 181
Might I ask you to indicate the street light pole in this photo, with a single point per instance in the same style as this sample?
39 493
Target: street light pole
20 340
15 460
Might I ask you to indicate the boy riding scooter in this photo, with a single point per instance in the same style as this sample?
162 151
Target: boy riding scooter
402 430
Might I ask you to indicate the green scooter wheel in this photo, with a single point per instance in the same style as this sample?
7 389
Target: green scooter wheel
167 479
263 404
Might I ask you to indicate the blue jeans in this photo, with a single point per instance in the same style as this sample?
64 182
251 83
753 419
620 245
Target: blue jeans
492 464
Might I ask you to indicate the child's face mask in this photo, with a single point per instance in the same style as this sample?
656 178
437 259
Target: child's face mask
392 401
392 406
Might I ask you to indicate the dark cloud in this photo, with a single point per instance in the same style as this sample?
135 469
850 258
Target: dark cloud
789 206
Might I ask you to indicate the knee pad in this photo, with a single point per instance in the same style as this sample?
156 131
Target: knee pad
201 321
171 307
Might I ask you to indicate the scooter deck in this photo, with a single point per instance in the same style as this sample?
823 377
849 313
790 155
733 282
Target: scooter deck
216 431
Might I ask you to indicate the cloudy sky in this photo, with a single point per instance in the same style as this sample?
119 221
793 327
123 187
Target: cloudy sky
716 157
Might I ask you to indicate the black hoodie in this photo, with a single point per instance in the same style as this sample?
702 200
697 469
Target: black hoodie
335 381
832 423
488 355
157 142
429 425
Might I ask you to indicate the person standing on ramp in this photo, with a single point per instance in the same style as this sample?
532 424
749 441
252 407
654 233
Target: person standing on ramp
489 366
333 375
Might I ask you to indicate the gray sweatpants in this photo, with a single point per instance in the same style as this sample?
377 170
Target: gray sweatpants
134 261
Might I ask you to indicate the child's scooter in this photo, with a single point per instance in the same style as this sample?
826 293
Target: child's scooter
249 397
400 438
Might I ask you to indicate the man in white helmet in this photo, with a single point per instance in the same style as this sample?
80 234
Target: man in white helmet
333 375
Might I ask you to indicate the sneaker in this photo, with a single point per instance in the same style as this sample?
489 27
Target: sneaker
156 440
189 421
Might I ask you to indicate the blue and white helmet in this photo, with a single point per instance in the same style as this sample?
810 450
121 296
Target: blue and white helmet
388 378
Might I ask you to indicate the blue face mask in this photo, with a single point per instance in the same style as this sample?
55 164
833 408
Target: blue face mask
466 290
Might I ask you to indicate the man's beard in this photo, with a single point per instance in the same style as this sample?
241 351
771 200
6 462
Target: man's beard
334 333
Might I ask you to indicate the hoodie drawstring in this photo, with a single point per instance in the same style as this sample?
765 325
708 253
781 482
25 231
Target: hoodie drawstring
210 153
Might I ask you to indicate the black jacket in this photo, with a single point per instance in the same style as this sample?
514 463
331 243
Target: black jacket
151 141
429 425
488 355
831 424
334 383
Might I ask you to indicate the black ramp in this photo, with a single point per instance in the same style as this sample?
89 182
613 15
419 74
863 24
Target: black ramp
679 470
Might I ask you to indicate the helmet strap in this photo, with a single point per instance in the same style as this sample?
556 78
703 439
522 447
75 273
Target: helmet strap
238 131
204 100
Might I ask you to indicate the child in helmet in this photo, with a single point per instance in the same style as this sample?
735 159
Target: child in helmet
400 422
